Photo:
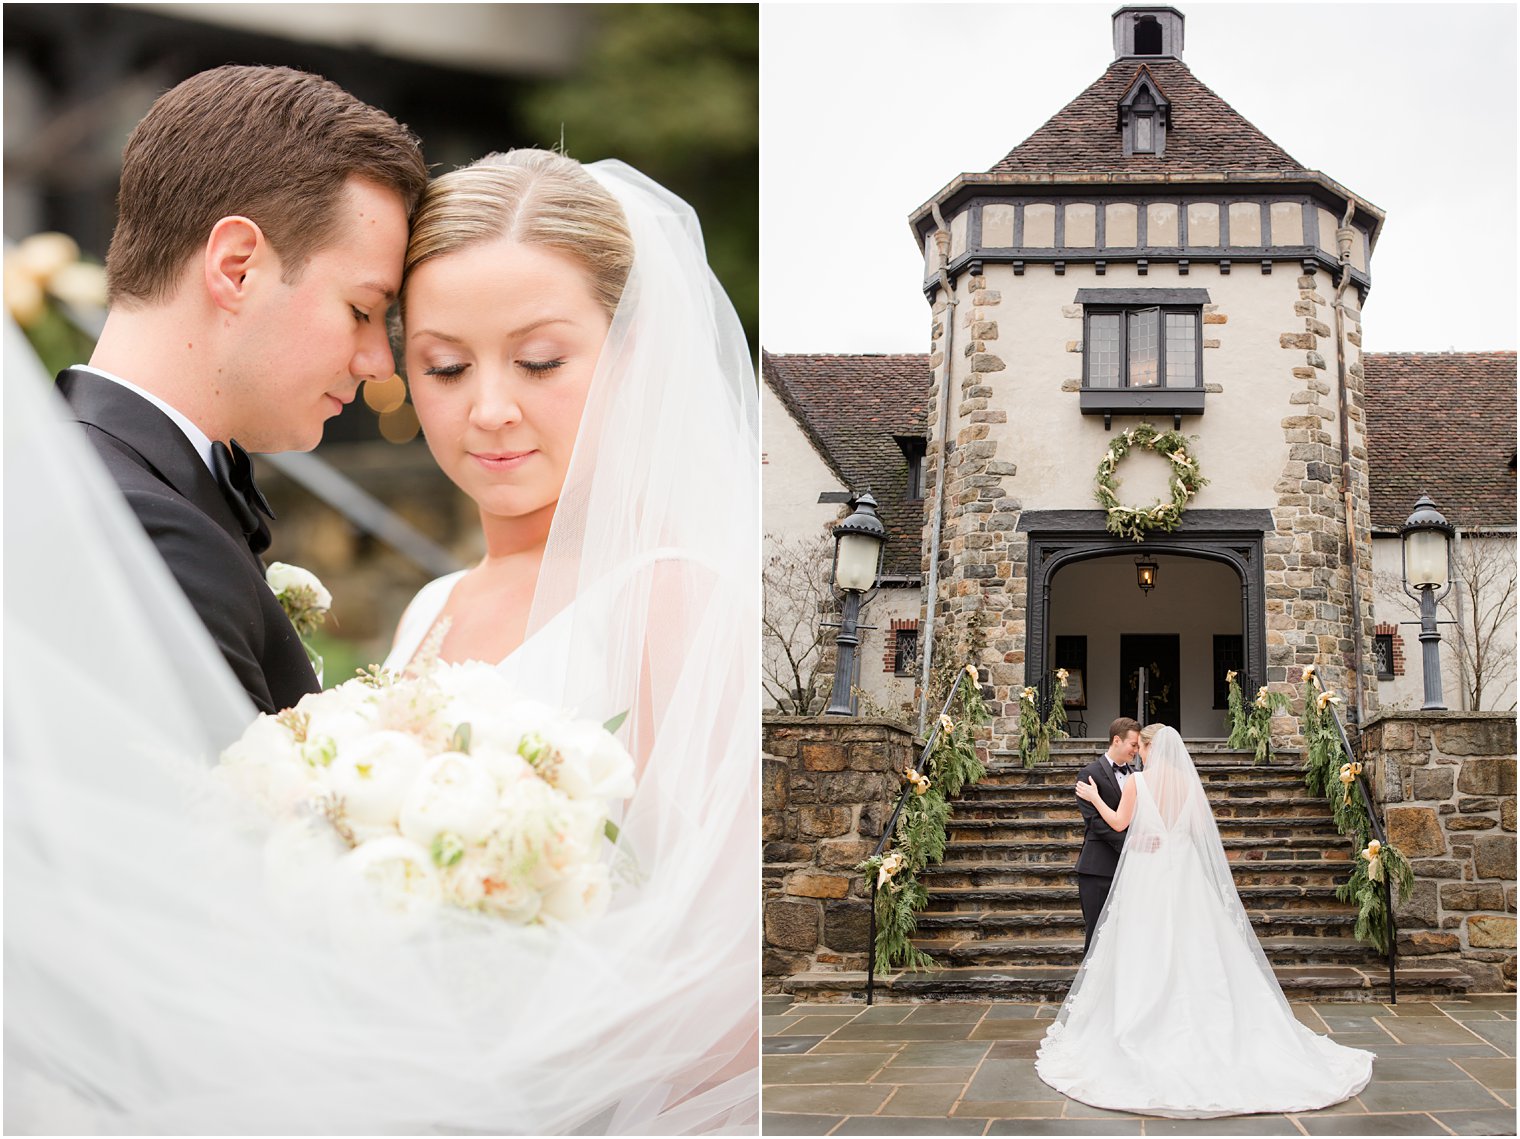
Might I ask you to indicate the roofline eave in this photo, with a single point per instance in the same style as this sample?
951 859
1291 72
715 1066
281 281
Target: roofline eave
964 185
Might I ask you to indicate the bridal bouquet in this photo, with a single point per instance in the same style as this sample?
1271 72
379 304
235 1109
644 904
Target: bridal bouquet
396 796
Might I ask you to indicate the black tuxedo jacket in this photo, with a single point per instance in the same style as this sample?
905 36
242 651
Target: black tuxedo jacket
180 505
1101 844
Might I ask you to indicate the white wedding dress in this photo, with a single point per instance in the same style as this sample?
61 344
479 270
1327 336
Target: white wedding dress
152 986
1175 1011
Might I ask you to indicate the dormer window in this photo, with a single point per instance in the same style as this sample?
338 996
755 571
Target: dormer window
1144 115
913 449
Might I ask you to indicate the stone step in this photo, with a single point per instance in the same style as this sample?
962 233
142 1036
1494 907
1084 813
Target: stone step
1065 774
966 872
1028 794
1052 898
1259 847
1049 983
1224 807
1057 925
1279 950
961 830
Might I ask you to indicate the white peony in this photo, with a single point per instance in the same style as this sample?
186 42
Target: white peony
388 885
265 764
478 882
592 763
539 835
453 792
373 775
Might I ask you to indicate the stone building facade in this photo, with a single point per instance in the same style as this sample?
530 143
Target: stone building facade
1149 256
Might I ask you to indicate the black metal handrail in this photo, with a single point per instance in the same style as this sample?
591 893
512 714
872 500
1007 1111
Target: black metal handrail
1377 831
890 828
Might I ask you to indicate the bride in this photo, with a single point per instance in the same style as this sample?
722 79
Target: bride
1175 1011
581 374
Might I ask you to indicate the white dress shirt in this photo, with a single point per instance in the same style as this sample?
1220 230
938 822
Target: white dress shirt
198 438
1119 776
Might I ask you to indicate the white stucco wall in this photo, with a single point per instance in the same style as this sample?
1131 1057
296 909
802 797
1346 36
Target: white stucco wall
1240 443
792 475
1393 607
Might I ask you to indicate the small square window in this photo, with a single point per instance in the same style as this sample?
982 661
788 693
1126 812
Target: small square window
1382 651
905 653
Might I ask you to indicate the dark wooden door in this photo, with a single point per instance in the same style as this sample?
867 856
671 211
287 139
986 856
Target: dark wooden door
1160 655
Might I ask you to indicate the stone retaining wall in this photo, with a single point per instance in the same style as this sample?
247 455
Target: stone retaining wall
1447 782
828 787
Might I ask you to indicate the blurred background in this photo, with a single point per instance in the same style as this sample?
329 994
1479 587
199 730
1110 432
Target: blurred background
672 89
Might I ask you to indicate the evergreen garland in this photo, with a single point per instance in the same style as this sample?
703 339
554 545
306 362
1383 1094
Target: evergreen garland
919 838
1328 771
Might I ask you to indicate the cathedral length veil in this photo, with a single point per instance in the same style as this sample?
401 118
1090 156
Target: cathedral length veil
150 985
1175 1011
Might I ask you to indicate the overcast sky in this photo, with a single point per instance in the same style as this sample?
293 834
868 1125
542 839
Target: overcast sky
869 109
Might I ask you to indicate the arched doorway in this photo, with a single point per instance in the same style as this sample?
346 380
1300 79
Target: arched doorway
1204 617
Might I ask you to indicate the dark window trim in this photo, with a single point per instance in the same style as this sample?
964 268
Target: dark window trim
1380 638
1193 310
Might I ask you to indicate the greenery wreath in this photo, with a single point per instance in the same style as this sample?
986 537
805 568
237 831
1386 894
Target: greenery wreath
1186 480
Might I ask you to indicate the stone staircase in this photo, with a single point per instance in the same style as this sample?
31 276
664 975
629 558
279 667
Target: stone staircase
1003 920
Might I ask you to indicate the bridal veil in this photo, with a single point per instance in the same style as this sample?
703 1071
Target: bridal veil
1175 1011
151 985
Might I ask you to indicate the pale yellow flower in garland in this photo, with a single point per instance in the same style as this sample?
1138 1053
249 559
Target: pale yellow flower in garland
1348 774
1373 853
890 865
919 781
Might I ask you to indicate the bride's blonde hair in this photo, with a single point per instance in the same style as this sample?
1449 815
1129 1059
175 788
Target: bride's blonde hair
532 197
1149 733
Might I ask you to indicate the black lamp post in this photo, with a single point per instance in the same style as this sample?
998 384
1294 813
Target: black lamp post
858 545
1427 568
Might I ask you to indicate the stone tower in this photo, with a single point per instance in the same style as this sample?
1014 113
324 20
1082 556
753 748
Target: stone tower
1148 255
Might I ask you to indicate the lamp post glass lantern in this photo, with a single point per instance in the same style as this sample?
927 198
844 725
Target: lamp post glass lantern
859 542
1426 541
1145 574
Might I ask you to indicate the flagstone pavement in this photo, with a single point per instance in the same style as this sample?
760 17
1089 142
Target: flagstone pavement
1446 1068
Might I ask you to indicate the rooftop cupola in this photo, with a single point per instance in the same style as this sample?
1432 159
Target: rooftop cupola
1144 31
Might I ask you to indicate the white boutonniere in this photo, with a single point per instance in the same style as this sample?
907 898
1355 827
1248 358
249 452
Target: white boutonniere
305 600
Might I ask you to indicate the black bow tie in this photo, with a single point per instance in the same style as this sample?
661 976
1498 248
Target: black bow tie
234 474
1122 768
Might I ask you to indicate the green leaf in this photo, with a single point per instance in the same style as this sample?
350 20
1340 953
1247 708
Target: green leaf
616 722
610 829
447 849
460 741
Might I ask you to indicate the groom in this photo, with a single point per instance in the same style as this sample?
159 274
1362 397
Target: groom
261 225
1101 844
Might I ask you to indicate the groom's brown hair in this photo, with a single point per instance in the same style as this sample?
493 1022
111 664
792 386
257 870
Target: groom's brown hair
1121 728
271 144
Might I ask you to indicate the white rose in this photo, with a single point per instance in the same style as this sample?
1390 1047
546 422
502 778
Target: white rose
581 895
453 792
283 578
593 764
373 776
387 885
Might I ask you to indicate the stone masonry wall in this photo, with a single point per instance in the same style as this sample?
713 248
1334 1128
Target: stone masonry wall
1447 782
828 788
1308 571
